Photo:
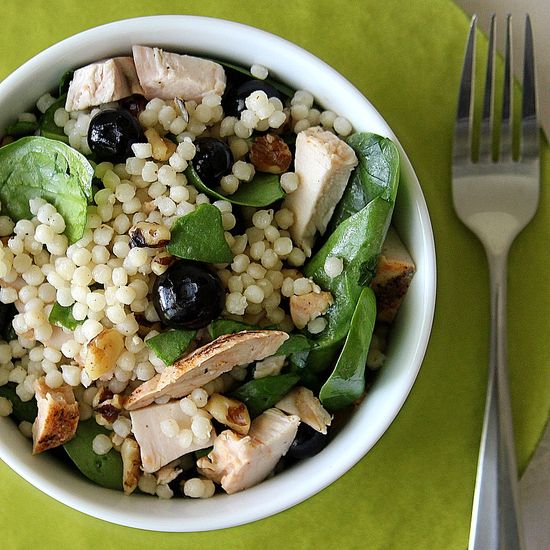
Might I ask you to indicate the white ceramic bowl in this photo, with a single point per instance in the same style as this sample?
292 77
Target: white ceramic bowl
300 69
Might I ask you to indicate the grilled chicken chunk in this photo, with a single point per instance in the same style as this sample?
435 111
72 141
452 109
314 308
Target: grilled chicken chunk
169 75
238 462
323 163
308 306
394 273
301 402
207 363
157 449
102 82
57 418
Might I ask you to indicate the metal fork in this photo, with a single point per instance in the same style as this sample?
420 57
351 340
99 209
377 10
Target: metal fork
496 199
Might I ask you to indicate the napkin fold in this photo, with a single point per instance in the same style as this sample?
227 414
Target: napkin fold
414 489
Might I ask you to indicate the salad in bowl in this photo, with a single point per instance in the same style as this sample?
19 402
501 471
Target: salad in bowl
199 273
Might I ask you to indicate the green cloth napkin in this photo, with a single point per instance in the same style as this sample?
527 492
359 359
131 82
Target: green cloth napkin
414 489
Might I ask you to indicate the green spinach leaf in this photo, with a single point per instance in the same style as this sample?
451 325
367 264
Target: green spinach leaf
296 343
347 381
62 316
40 167
48 127
261 394
105 470
65 81
262 190
199 236
21 128
227 326
22 410
376 175
171 345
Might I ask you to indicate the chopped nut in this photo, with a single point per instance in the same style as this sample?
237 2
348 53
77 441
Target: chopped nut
301 402
107 405
149 234
269 153
131 465
102 395
230 412
307 307
102 353
168 473
163 148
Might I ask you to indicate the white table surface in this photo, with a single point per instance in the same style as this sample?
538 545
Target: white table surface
535 482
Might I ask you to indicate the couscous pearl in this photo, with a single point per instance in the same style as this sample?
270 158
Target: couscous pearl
193 488
6 407
342 126
122 426
262 218
283 246
327 118
201 427
316 326
289 182
296 258
70 349
235 303
333 266
101 444
199 397
71 375
169 427
163 491
54 379
188 406
254 294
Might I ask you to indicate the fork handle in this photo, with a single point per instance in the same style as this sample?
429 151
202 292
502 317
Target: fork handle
495 517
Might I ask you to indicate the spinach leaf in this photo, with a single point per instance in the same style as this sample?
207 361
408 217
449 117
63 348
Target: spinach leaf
21 128
347 381
65 81
358 241
226 326
376 175
199 236
262 190
62 316
40 167
283 88
296 343
171 345
22 410
261 394
105 470
48 127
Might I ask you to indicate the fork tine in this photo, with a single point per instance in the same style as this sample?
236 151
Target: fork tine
507 99
529 131
486 134
464 117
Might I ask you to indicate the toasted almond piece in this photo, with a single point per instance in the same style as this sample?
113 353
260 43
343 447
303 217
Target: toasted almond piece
57 417
394 273
301 402
238 462
102 352
229 412
148 234
206 363
131 465
307 307
163 148
269 153
168 473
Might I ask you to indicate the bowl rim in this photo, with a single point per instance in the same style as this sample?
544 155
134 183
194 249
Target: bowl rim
328 470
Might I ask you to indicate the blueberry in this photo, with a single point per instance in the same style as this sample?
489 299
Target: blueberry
212 161
112 133
307 443
234 98
188 295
